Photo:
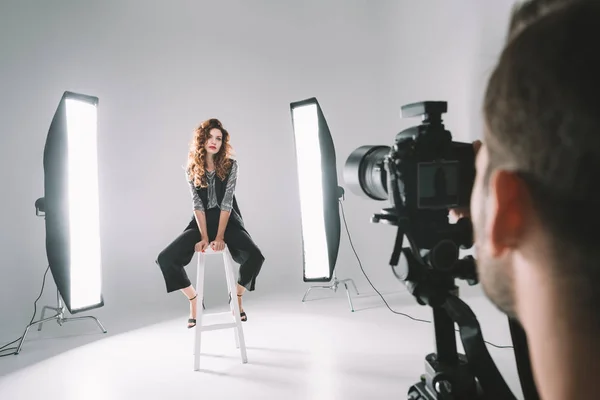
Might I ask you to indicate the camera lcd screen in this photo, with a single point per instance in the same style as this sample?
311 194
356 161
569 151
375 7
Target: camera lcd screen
437 184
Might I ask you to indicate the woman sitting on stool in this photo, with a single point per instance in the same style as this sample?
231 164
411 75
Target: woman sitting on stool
212 176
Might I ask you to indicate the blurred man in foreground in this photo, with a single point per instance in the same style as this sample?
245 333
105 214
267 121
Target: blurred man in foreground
536 201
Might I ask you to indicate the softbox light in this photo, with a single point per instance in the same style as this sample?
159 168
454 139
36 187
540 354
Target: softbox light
71 202
319 191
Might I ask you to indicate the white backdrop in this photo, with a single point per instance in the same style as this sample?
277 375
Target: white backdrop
159 68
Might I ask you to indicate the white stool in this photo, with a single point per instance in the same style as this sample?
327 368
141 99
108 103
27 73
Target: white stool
234 306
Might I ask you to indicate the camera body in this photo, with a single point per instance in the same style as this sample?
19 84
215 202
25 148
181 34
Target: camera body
436 173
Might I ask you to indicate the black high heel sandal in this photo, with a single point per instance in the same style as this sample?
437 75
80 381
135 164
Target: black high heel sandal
243 315
193 320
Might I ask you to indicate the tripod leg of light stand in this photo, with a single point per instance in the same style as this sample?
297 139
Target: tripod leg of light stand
335 282
29 326
317 287
349 297
41 323
59 317
350 280
59 310
353 285
345 282
306 293
86 317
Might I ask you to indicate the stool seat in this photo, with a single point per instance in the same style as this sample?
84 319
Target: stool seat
203 318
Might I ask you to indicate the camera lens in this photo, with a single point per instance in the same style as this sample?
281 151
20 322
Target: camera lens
365 174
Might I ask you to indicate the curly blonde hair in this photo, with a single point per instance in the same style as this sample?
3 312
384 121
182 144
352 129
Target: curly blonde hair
196 166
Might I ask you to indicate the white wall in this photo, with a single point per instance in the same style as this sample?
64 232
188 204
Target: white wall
159 68
434 50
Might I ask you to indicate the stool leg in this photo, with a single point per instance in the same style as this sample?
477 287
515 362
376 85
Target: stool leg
236 338
198 327
236 308
231 284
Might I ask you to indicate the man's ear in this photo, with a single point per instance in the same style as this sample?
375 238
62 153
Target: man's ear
508 211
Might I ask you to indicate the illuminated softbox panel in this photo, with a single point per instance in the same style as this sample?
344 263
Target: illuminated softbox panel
71 202
318 187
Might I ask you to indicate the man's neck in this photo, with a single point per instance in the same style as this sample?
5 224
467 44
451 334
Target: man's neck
563 343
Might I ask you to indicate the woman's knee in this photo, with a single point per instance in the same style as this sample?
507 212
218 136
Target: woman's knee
163 259
257 255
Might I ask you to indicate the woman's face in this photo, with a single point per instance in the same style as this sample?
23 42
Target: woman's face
214 141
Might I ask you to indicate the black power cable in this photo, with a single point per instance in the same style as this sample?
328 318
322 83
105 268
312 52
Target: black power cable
4 348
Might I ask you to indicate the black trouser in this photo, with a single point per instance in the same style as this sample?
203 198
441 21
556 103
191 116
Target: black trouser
180 252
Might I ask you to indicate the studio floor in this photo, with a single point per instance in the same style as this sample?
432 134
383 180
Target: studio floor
312 350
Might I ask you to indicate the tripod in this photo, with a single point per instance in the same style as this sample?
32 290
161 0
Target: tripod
450 375
60 318
335 282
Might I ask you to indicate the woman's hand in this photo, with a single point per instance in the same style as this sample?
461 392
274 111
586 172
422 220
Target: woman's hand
201 246
218 244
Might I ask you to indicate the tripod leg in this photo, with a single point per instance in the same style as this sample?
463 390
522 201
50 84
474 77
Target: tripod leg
521 350
349 298
29 326
316 287
42 317
350 280
306 294
22 339
354 285
86 317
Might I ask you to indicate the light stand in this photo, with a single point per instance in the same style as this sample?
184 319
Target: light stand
335 282
60 308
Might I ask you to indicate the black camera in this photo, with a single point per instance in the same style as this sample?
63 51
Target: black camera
437 172
428 174
424 175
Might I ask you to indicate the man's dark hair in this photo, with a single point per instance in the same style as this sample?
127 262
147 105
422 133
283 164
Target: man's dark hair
542 111
526 12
